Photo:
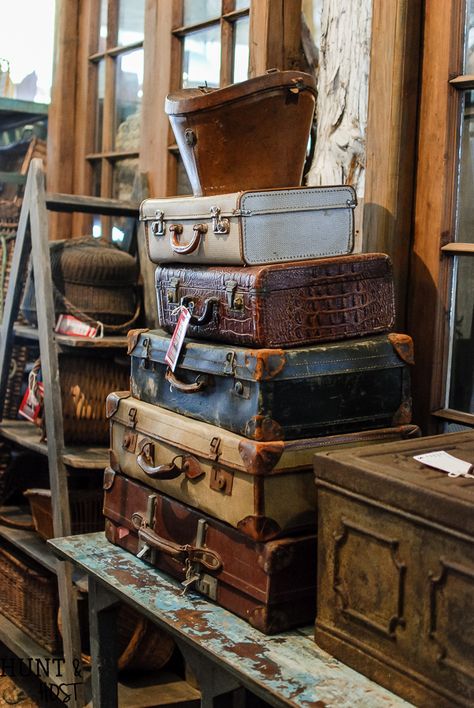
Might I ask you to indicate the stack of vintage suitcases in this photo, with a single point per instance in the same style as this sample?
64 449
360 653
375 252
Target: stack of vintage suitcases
289 351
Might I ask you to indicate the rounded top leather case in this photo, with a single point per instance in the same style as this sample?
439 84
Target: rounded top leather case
250 135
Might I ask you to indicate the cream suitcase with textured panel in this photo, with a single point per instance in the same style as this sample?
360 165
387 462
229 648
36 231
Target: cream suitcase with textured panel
265 489
251 228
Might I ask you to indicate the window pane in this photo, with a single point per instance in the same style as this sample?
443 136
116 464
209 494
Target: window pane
465 227
99 113
26 50
241 4
202 58
469 68
128 98
123 178
131 21
183 185
195 11
96 175
461 387
103 26
240 69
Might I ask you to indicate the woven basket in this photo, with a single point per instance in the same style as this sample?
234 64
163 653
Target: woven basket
142 646
85 384
93 281
29 598
85 507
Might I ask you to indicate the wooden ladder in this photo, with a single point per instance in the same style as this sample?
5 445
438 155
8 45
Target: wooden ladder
32 238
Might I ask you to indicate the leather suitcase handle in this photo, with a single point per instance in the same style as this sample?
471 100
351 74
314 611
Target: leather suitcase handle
201 382
205 557
177 229
207 314
189 466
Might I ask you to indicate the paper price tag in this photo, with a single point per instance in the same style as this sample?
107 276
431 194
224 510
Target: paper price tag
30 407
68 324
443 461
177 338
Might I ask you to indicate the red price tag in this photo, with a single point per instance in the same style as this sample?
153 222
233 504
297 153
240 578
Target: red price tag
68 324
30 407
177 338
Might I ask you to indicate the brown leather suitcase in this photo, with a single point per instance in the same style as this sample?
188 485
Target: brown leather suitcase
395 595
284 305
271 585
250 135
265 489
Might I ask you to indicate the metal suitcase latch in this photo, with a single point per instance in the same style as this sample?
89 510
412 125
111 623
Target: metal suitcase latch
132 417
220 224
158 227
203 582
140 521
129 442
233 302
221 480
172 290
229 363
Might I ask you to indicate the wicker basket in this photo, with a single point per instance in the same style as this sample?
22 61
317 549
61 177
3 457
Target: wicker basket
93 281
142 646
29 598
85 506
85 383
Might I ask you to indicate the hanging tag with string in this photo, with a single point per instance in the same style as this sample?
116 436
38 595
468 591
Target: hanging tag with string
177 338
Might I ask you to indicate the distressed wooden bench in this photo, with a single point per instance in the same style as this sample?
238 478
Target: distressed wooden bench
223 651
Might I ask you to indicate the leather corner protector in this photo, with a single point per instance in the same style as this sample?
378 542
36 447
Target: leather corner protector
113 401
403 345
404 414
109 478
260 457
263 429
259 528
113 461
268 363
132 338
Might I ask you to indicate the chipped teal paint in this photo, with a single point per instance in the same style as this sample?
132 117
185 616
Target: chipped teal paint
287 669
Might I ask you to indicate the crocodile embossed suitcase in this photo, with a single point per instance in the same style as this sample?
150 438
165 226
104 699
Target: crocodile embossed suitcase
395 595
271 585
265 489
251 228
271 394
285 305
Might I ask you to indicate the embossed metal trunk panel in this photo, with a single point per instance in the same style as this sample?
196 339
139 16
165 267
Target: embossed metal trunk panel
272 394
396 568
284 305
271 585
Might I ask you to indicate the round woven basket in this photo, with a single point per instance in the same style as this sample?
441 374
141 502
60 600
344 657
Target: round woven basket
93 281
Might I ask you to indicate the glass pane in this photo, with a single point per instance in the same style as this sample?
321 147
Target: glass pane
96 176
461 386
240 69
103 26
202 58
131 21
123 177
469 67
128 98
183 185
241 4
99 112
195 11
26 50
465 227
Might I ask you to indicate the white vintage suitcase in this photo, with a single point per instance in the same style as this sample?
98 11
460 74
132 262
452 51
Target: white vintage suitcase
251 228
265 489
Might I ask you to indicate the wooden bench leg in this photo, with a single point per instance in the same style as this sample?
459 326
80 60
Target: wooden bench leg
212 680
103 642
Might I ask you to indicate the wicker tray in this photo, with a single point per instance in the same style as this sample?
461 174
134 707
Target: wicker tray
85 506
29 598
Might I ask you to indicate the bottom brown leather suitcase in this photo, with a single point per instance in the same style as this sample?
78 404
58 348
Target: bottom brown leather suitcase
272 585
395 596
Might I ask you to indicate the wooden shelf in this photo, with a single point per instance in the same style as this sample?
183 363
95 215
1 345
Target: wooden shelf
32 544
65 341
159 689
28 435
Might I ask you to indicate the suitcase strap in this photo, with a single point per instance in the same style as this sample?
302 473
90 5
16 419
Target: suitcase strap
185 553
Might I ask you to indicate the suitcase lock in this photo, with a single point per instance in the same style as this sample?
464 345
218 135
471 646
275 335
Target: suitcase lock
158 227
203 582
220 224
